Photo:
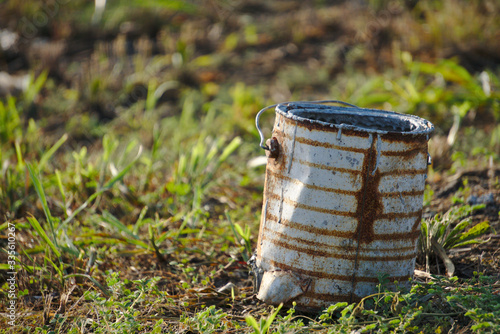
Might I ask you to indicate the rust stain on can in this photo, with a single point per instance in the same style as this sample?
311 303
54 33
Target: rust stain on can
312 229
369 204
274 148
327 145
342 203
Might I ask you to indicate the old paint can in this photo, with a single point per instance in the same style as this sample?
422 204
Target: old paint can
342 202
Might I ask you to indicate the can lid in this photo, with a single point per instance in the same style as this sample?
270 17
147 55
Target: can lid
355 118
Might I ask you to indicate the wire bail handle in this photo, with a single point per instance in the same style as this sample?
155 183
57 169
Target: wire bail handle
264 146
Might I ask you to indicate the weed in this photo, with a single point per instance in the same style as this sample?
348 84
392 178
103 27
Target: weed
442 233
264 324
119 310
209 320
194 175
404 312
34 88
290 323
10 125
244 234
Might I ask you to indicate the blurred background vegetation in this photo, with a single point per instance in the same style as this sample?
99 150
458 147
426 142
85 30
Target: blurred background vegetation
128 126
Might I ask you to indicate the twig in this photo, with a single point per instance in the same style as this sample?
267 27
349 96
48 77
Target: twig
422 274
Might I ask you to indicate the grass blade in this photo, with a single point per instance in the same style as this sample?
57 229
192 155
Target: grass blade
270 319
59 271
47 155
251 321
140 221
36 225
237 229
106 187
475 232
472 236
230 148
454 235
93 280
43 199
113 221
61 190
124 171
132 238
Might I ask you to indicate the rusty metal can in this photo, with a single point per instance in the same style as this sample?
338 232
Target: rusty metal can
342 202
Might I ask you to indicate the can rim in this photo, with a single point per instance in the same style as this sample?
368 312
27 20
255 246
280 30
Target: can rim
348 118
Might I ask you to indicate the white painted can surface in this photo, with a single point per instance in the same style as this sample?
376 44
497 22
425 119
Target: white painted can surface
342 203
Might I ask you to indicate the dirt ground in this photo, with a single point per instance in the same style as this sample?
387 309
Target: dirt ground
478 187
295 34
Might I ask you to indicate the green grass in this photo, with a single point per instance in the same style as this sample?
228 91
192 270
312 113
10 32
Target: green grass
126 176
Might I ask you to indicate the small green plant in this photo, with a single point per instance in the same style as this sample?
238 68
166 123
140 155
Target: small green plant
264 324
17 141
291 323
118 311
34 87
427 307
209 320
204 159
194 175
10 124
246 234
444 232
